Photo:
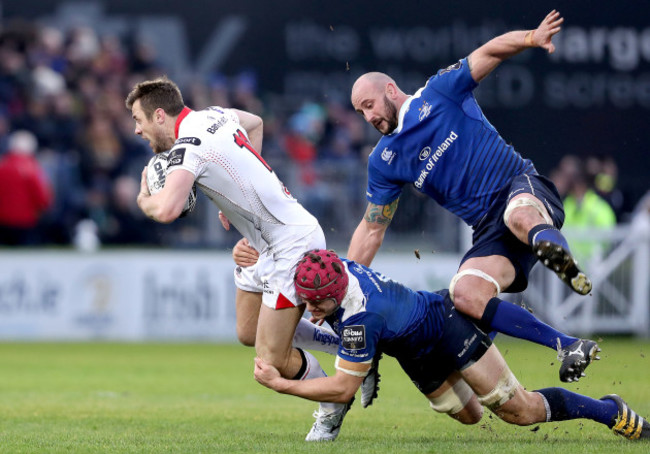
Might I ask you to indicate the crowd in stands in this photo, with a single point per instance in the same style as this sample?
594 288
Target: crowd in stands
67 91
592 201
63 93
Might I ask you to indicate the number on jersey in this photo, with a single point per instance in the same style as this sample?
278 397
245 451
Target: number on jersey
243 142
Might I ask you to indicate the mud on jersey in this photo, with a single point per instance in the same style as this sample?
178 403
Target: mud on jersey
213 146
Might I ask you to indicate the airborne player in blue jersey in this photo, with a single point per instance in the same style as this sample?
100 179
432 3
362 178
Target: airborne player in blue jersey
439 141
451 361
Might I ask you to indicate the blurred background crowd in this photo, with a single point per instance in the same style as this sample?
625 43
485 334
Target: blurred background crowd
70 164
64 127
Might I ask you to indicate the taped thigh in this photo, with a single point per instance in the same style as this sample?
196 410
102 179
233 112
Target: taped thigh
453 400
472 272
502 392
526 202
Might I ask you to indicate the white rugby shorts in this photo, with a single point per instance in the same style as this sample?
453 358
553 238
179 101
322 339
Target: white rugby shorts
272 275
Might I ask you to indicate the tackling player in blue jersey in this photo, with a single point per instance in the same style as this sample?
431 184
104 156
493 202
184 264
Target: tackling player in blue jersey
439 141
451 361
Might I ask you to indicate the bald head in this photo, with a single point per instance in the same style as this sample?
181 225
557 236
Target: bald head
377 97
373 82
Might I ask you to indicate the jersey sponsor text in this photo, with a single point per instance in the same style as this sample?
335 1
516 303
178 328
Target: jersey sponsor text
433 159
353 337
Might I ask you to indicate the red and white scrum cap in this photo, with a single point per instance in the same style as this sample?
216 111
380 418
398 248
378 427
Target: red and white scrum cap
320 275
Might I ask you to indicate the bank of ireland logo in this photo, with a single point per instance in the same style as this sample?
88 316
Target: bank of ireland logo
425 110
387 155
424 154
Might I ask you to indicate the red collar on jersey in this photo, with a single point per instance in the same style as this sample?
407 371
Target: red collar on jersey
181 117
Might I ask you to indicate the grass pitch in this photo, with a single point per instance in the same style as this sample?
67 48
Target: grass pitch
202 398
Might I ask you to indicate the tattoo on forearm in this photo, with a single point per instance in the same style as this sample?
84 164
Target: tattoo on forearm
381 214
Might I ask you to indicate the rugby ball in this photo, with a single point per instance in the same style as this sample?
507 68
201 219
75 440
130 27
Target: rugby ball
157 172
156 176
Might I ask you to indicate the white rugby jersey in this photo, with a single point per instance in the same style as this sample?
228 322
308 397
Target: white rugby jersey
213 146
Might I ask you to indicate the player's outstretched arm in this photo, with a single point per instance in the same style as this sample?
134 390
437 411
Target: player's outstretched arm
340 387
487 57
369 235
254 127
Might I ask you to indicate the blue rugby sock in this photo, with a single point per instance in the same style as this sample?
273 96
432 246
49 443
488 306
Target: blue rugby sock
515 321
564 405
546 232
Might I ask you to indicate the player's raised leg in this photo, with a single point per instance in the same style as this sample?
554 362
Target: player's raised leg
529 220
474 291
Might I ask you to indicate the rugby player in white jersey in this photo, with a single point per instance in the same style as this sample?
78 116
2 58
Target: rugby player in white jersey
217 150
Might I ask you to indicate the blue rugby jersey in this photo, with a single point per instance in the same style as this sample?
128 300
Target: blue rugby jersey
446 148
380 314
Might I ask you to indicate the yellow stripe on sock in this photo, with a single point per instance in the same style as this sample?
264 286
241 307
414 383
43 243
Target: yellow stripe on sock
637 432
631 426
622 422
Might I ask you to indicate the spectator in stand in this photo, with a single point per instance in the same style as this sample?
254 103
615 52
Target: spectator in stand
585 210
24 191
306 129
218 91
245 93
126 224
561 175
605 177
340 166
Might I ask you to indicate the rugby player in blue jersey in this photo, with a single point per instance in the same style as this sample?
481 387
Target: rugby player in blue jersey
439 141
451 361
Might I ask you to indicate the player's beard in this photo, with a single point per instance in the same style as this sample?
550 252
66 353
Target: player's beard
391 116
159 142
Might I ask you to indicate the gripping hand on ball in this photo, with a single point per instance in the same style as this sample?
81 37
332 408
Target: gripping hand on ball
144 188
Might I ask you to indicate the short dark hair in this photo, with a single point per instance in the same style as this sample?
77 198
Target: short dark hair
158 93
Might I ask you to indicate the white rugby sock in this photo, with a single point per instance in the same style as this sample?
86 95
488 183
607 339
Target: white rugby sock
310 336
314 370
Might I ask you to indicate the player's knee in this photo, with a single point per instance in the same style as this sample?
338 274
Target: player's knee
246 338
471 289
525 212
468 304
517 220
246 333
459 403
